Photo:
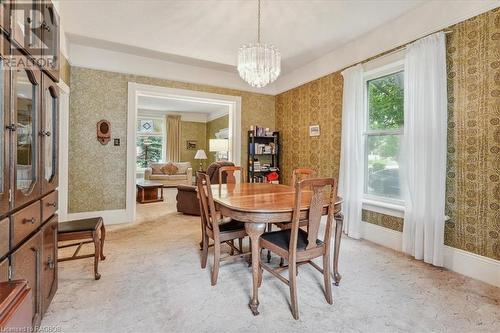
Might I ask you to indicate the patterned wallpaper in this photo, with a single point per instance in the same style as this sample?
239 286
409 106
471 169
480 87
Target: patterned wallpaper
473 179
213 127
315 103
191 130
97 174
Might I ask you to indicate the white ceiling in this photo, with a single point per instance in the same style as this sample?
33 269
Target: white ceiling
208 33
167 104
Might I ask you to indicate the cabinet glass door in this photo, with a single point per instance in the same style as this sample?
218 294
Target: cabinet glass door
49 134
26 18
26 106
4 151
50 37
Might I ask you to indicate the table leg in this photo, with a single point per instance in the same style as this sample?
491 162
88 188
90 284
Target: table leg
339 222
254 230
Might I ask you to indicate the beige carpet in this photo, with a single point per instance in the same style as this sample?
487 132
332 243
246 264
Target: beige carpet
152 282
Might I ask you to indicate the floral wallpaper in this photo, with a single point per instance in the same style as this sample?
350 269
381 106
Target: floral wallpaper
191 130
473 179
97 173
316 103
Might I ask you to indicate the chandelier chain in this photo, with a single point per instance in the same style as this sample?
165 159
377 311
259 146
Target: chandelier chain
258 24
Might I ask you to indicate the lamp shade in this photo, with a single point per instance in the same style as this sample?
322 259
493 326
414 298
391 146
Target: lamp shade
218 145
200 155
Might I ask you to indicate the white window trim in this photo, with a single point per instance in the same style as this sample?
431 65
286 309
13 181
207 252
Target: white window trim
388 206
162 134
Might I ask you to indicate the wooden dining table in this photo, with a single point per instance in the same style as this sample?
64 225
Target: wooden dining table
261 204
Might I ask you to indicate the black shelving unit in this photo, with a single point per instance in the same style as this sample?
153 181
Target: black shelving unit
264 158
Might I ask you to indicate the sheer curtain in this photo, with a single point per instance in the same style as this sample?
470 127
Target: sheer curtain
351 152
424 147
173 124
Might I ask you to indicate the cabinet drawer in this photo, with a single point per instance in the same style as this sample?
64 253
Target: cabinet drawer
25 221
49 205
4 237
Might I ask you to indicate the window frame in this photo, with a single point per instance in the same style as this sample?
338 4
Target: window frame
379 72
163 135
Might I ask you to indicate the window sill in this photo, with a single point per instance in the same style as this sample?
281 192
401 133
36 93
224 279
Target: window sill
384 208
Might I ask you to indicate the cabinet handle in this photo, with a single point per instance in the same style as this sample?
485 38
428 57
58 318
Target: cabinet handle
52 204
45 26
31 220
50 263
11 127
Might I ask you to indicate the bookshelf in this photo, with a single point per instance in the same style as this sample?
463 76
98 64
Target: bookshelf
263 156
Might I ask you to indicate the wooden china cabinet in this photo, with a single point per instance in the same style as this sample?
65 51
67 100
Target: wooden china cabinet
29 101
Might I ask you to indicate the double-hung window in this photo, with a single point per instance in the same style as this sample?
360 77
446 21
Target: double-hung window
150 143
384 97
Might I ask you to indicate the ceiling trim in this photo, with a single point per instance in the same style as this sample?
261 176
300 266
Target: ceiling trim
121 62
217 115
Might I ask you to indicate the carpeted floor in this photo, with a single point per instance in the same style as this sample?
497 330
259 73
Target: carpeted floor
152 282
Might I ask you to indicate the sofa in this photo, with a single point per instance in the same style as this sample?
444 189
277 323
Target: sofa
183 176
187 200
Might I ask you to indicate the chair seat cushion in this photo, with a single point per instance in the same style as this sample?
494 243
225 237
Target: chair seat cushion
89 224
282 239
232 225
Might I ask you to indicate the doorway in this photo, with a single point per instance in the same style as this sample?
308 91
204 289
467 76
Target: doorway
140 91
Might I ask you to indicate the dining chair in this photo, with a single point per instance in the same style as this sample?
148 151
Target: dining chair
228 172
297 175
299 246
301 174
217 229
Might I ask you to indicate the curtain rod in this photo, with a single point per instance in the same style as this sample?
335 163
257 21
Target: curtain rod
396 49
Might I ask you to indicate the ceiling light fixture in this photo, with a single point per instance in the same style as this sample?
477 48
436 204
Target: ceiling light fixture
259 64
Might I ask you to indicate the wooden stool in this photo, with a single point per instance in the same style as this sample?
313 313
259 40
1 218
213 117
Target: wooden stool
86 231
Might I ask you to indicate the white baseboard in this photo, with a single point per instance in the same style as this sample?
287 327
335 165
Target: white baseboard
460 261
382 236
117 216
472 265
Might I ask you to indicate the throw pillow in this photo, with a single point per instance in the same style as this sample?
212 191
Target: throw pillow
156 169
169 169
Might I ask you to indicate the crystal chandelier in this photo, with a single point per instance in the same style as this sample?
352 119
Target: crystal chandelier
259 64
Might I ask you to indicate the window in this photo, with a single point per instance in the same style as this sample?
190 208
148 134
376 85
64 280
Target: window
383 134
150 144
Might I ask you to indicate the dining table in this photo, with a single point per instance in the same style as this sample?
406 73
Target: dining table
259 204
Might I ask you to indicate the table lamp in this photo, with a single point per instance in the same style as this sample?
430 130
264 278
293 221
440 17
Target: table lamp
218 146
200 155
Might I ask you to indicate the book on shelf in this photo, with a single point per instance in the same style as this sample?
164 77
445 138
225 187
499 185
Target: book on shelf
260 131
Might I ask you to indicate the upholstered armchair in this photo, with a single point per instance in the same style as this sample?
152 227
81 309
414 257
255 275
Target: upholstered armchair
187 200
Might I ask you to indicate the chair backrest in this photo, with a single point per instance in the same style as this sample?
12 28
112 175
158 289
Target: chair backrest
315 189
229 171
301 174
209 215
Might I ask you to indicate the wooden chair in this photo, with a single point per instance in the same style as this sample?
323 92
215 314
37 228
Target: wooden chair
229 171
213 227
226 176
301 174
298 175
301 247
